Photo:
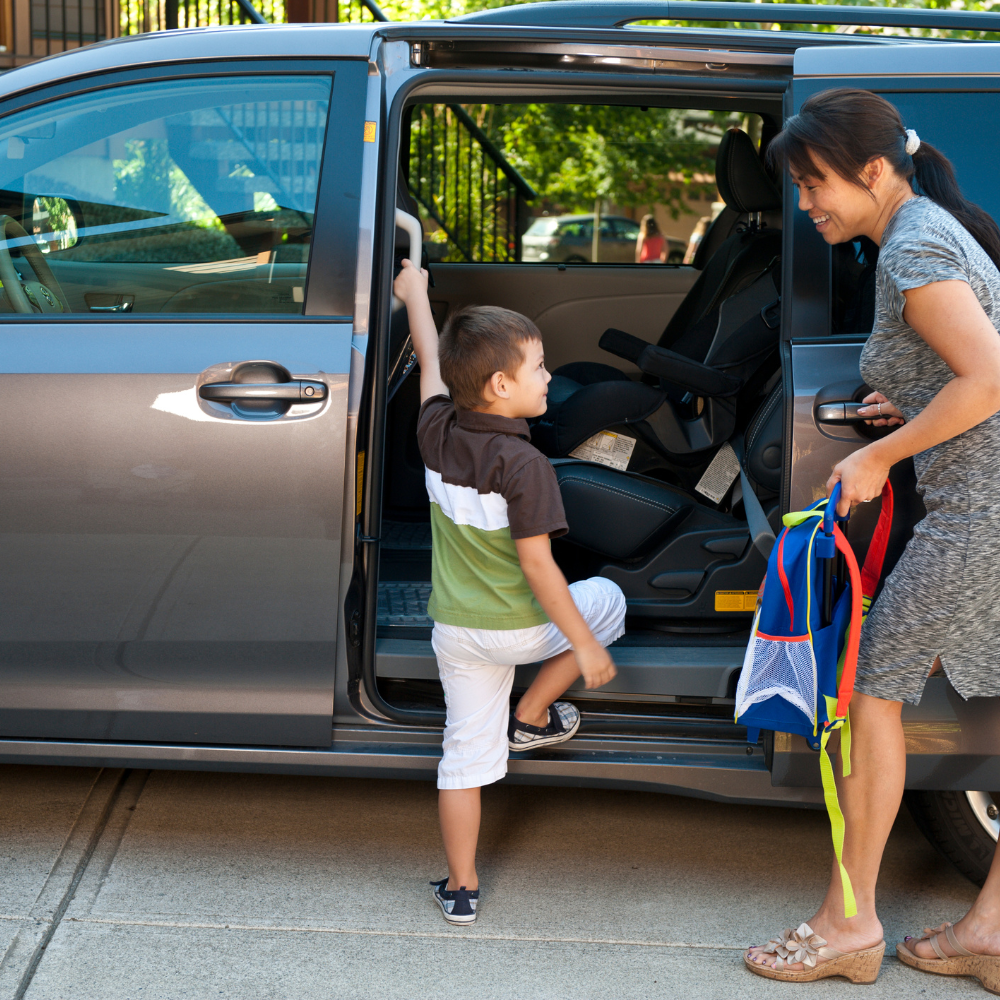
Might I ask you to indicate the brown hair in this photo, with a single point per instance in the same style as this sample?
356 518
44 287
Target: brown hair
477 342
850 128
648 227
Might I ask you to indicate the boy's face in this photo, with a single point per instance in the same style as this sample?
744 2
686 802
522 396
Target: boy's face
521 395
529 387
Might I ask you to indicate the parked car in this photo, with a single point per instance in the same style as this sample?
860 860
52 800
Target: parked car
215 548
570 239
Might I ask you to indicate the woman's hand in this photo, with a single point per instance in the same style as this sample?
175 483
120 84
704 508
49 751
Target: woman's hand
886 415
861 476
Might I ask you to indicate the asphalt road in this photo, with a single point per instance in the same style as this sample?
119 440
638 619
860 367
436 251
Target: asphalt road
146 885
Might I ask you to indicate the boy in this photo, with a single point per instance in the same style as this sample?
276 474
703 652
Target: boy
498 598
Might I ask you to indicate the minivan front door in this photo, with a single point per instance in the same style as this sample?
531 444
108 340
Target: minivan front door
173 397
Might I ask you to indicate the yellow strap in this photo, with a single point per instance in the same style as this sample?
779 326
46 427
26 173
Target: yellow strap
845 745
837 826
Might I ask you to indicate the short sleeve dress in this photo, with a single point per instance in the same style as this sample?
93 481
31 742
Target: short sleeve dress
943 596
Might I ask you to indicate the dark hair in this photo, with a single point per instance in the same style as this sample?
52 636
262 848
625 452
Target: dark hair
477 342
849 128
648 227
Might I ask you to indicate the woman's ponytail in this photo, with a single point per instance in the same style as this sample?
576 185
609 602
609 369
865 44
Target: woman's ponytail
849 128
935 178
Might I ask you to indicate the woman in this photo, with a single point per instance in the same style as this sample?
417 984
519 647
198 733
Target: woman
650 247
934 359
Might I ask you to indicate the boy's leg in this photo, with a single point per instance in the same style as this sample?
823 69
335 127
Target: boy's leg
602 605
459 809
477 696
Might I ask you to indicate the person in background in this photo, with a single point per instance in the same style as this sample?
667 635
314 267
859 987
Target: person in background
650 247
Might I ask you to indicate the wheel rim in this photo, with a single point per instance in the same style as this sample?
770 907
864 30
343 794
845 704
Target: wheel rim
985 811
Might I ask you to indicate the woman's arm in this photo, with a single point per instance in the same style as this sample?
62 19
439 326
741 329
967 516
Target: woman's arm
948 316
638 246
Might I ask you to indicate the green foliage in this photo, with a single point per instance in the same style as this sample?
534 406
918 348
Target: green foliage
576 154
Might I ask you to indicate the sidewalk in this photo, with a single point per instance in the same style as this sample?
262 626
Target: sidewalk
126 885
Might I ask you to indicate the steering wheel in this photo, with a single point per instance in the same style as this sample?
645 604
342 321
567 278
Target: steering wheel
42 295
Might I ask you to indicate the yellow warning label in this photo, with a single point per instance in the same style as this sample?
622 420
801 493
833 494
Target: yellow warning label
735 600
369 131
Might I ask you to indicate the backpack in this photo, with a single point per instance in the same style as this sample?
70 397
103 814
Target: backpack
798 673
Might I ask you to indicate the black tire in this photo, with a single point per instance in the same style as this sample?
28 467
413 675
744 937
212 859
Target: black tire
949 822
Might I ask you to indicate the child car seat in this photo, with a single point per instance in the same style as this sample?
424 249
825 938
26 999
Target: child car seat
726 325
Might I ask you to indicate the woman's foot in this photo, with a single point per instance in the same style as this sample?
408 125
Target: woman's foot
974 934
845 936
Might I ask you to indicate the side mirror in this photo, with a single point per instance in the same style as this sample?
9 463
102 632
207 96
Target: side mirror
54 223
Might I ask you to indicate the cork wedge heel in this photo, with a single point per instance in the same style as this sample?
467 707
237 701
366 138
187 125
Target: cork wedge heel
804 946
985 968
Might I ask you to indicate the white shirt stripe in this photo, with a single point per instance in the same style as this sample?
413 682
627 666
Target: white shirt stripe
463 505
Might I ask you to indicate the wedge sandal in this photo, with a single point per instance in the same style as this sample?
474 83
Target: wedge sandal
985 968
805 946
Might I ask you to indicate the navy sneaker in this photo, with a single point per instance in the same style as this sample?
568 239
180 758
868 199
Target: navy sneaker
564 721
457 905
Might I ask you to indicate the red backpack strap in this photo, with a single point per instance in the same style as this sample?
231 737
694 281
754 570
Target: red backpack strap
872 571
846 688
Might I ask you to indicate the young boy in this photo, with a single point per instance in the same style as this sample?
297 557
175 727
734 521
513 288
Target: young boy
498 598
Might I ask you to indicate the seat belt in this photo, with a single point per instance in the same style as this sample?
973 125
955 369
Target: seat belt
760 530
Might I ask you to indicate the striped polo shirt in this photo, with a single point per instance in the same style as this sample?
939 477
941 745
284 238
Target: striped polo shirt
488 486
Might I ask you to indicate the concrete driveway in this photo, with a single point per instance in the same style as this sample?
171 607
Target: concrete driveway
141 885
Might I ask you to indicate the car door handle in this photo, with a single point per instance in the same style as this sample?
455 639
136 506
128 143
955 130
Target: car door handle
842 411
298 390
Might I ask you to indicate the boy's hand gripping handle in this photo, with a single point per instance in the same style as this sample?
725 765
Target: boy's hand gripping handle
416 233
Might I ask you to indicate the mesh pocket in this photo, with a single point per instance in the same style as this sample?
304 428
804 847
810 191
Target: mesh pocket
778 667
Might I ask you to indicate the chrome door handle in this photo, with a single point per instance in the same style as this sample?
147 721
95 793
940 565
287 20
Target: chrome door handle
299 391
843 411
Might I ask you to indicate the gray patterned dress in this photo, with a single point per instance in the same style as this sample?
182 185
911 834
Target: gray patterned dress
943 597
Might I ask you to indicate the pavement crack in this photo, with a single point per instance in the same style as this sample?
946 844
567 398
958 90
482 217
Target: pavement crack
72 860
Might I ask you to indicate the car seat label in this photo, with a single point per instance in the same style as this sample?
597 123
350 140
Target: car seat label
735 600
607 448
719 475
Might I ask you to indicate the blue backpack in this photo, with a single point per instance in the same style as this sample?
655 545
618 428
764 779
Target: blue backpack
798 673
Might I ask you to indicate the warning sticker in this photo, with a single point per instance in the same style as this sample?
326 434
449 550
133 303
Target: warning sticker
735 600
607 448
719 475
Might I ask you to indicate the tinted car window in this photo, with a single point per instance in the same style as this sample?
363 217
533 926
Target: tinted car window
173 197
943 120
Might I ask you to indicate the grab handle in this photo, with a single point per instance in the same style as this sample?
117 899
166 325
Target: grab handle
416 233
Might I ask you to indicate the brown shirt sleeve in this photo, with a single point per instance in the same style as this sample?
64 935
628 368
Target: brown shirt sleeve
435 415
534 503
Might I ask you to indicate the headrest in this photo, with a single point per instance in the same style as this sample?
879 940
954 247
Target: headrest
743 182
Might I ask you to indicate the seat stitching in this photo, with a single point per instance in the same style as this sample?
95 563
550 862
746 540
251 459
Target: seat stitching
765 415
620 492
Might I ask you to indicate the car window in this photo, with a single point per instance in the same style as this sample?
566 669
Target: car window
181 196
506 183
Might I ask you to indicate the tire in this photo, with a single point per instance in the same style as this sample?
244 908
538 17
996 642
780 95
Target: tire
960 826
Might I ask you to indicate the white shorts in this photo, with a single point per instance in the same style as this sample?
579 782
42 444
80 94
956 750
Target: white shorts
477 672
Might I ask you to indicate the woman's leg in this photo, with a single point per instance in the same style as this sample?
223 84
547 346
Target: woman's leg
870 799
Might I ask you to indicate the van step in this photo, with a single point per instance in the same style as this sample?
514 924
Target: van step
404 535
404 602
658 673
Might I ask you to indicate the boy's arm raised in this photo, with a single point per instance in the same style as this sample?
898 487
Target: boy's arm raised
411 288
549 585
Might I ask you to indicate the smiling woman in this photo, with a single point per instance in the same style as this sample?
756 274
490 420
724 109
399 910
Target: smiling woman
934 361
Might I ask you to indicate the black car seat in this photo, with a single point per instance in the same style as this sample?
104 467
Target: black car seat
715 343
674 556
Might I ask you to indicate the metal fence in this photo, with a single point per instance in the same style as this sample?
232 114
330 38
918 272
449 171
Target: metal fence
472 195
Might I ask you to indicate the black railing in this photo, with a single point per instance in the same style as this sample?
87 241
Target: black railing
139 16
475 201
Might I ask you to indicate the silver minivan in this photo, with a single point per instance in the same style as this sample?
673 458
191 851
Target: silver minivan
215 538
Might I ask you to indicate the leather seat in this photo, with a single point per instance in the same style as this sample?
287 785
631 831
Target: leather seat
714 344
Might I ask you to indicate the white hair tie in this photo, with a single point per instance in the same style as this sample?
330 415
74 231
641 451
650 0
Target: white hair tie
912 141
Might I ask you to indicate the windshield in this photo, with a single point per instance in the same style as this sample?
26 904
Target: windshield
543 227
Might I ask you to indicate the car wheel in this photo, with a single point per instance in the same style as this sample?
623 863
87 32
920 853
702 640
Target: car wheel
575 259
963 826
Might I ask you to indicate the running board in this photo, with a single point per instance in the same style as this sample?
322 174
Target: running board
661 672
